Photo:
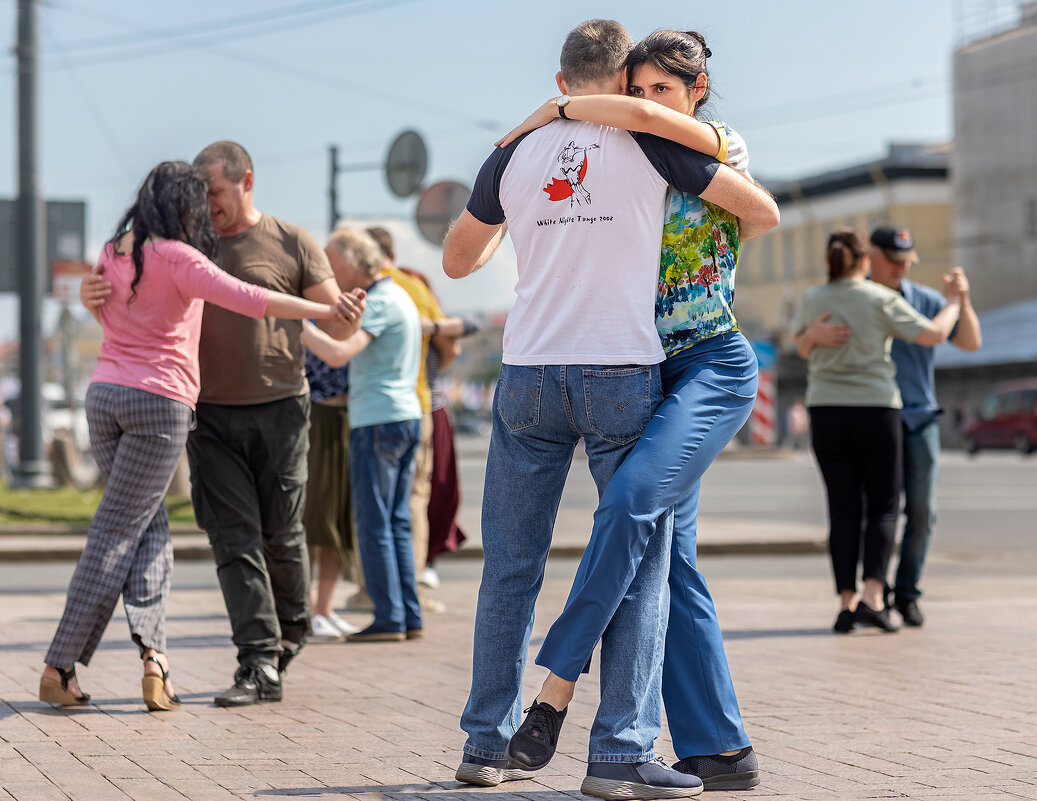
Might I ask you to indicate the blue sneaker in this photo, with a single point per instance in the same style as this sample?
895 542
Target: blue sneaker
638 780
736 772
488 772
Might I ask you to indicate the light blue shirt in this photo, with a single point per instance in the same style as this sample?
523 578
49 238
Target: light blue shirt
915 373
383 377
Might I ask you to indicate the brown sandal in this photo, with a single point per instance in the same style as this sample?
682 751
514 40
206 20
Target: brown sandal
154 689
57 693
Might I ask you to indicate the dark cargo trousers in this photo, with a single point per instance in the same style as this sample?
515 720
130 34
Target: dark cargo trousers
248 485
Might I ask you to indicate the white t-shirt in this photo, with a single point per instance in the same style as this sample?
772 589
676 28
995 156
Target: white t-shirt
585 205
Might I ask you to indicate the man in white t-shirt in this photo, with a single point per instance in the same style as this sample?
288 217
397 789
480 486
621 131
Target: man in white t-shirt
581 357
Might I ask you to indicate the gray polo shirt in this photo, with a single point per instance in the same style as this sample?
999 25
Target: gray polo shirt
860 373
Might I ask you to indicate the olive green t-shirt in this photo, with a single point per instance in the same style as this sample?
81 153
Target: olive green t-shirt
245 361
860 373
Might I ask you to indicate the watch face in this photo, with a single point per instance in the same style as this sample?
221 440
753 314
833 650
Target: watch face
563 100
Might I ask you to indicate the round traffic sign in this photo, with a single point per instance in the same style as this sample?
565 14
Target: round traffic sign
406 164
438 206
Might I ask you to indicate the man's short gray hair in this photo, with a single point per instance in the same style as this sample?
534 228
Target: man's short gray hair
359 250
594 51
234 159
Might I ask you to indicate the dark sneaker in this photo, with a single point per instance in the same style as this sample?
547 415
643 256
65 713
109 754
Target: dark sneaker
488 772
910 612
376 634
252 684
736 772
864 615
623 780
843 623
533 745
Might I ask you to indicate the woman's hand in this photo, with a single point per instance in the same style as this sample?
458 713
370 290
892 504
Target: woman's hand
94 289
538 119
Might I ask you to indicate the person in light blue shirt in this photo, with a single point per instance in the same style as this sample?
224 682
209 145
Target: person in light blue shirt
385 416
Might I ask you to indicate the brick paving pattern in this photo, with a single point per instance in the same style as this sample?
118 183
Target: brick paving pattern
945 711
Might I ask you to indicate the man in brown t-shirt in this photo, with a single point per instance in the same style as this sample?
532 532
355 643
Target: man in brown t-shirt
248 452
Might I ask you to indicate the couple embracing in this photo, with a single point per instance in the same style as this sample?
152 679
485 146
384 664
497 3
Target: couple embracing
639 354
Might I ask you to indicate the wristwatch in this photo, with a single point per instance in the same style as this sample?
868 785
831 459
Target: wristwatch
562 102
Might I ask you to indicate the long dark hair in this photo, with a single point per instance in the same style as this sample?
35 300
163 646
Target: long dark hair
681 54
846 248
173 203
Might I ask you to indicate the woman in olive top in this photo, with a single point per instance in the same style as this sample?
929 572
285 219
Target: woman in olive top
855 417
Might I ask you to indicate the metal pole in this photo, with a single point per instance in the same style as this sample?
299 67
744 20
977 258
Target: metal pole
33 469
333 189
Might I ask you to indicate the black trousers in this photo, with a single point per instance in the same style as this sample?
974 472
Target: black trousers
248 485
858 449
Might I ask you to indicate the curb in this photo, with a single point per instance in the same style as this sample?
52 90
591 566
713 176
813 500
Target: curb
69 551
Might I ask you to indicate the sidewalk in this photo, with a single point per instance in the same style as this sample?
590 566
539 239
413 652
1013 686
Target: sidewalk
944 711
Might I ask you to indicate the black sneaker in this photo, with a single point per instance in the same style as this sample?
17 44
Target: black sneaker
736 772
488 772
625 780
533 745
864 615
843 623
910 612
252 684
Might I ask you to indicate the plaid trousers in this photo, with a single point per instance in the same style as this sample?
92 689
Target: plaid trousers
137 438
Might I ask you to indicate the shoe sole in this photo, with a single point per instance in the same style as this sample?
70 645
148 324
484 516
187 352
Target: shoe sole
486 776
618 789
51 692
232 705
155 699
388 636
733 781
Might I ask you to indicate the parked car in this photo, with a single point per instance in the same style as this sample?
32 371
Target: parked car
1006 419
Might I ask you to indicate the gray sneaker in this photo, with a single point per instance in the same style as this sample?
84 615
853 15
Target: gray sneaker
638 780
736 772
488 772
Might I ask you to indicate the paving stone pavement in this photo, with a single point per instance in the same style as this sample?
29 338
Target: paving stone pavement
945 711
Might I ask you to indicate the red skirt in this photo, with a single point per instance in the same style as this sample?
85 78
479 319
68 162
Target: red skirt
443 532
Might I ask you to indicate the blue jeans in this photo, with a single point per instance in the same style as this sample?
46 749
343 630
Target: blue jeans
710 391
540 415
921 472
381 468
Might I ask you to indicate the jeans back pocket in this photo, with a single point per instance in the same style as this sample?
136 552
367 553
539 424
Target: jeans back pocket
518 395
620 401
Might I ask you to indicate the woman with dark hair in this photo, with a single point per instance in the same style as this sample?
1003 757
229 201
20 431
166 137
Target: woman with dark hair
709 378
854 408
140 405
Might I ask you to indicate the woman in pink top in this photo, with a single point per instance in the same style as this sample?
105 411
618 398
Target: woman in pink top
140 406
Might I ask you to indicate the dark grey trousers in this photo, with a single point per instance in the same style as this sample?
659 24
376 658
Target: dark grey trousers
136 438
248 485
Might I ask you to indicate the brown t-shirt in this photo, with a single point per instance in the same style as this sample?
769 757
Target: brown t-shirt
245 361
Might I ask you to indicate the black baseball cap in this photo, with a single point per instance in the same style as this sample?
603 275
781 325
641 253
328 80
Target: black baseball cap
896 243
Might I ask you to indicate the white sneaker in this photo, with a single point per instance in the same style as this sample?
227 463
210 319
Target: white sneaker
324 629
342 624
430 578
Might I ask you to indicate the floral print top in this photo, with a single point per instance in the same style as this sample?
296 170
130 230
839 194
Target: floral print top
696 292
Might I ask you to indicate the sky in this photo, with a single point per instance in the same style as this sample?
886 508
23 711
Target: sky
810 84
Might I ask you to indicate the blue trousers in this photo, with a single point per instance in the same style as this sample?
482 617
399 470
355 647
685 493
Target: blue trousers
710 390
921 473
540 414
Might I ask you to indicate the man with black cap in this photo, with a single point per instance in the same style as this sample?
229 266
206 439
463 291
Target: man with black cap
892 254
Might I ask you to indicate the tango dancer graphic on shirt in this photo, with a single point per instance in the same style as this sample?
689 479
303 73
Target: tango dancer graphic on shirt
573 160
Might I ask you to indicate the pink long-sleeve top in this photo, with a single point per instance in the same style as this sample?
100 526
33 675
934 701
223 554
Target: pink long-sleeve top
152 343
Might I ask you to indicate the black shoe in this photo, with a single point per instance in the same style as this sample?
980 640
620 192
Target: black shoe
877 618
252 684
843 623
910 612
533 745
628 780
736 772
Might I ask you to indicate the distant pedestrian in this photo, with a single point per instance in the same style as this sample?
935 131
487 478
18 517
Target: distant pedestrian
385 416
855 424
797 425
158 274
